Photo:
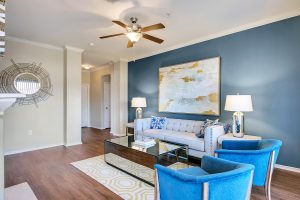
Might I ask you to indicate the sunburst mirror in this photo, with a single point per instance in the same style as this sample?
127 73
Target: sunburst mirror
26 78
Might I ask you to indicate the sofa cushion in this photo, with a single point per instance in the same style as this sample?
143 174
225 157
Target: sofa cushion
187 138
184 125
157 133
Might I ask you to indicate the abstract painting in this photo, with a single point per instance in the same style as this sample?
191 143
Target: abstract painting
191 88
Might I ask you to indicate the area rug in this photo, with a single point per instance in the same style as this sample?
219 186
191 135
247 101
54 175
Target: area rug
19 192
124 185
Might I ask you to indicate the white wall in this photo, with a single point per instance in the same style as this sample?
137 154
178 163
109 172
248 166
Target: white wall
96 96
119 100
1 160
46 122
119 96
72 96
85 80
85 77
57 121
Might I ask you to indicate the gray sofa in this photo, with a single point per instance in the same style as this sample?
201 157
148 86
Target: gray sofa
182 131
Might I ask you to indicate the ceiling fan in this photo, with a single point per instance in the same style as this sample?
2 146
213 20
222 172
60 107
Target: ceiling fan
134 32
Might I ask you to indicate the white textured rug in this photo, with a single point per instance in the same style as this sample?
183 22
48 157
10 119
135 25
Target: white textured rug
119 182
19 192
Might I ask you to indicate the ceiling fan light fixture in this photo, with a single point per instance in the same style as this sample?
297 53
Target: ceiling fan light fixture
134 32
134 36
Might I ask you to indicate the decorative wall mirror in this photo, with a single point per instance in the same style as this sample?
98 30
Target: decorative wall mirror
26 78
27 83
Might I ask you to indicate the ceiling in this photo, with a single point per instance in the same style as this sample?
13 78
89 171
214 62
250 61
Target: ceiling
77 23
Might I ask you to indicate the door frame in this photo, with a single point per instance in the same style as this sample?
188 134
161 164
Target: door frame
88 103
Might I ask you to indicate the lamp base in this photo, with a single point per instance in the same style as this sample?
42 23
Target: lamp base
238 124
139 113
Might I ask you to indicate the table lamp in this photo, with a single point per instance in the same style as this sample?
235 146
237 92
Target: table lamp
139 103
238 104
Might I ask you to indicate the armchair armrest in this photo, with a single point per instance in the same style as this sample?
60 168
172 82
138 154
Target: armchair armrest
238 152
211 138
244 147
243 152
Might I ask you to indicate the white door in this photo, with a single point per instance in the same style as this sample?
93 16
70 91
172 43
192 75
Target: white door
106 94
84 105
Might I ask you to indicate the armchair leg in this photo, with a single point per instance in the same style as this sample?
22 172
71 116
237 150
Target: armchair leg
177 156
156 186
268 192
269 176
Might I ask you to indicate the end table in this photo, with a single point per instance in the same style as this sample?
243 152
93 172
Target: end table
129 126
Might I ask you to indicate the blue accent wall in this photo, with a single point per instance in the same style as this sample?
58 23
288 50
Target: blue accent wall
263 62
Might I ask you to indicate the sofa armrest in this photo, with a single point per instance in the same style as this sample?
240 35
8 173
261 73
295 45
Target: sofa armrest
211 138
140 125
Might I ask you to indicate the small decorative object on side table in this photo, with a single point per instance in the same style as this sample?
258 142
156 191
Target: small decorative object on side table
238 104
139 103
230 136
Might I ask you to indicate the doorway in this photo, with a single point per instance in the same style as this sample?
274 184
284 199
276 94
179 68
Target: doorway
106 102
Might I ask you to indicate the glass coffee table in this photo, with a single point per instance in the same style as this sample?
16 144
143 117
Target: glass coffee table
123 154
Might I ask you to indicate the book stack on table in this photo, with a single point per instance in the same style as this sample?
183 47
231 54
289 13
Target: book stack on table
146 143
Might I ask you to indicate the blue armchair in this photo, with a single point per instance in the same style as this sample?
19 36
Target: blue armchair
216 179
261 153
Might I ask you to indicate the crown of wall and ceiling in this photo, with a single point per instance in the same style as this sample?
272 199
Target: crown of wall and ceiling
56 23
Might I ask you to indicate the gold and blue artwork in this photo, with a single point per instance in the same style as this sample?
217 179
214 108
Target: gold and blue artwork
191 88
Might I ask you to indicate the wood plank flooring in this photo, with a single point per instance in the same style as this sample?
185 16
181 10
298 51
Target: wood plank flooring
51 176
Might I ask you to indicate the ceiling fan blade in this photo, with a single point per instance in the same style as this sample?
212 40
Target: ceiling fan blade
119 23
152 38
153 27
129 44
107 36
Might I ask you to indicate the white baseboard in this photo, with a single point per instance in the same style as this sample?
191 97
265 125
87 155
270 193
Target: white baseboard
96 127
288 168
32 149
119 135
72 144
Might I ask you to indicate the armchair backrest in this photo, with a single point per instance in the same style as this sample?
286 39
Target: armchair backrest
270 145
231 181
262 154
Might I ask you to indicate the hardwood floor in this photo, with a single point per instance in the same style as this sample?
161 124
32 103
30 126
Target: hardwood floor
51 176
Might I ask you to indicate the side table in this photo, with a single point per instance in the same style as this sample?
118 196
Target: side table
129 126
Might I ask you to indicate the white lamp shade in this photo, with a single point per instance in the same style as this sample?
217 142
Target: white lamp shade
241 103
138 102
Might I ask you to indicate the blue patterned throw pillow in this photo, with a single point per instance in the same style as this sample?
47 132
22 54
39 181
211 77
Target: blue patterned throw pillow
153 122
158 122
207 123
